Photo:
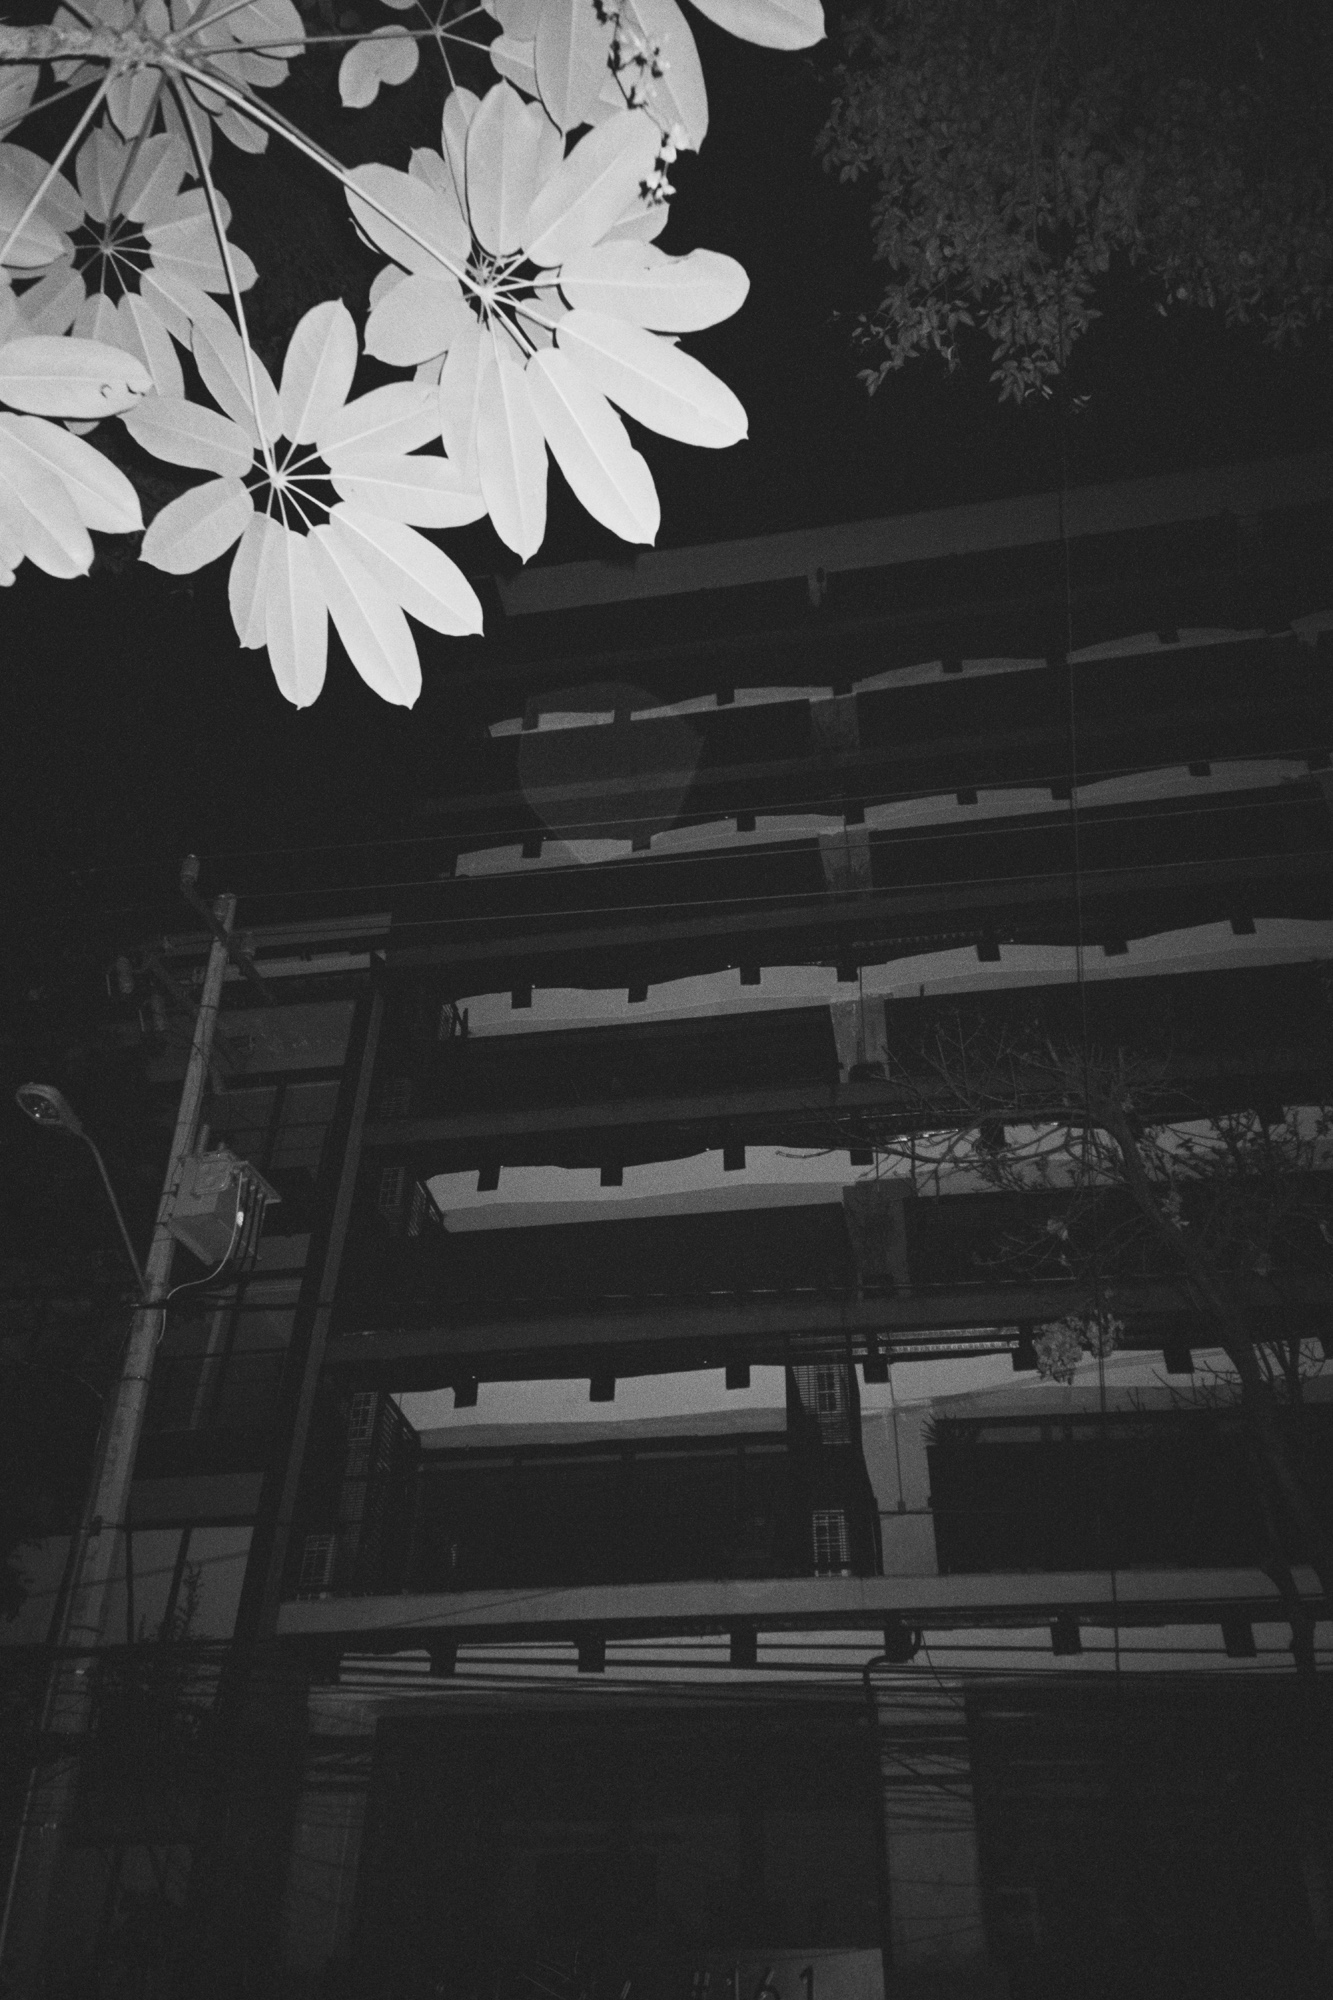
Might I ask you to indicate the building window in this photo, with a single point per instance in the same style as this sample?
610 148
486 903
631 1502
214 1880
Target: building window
317 1563
361 1417
833 1551
397 1099
828 1391
453 1024
418 1209
389 1197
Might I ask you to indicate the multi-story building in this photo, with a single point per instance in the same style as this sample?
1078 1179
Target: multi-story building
632 1542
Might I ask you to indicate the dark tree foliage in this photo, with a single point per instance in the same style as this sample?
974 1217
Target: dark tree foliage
1026 154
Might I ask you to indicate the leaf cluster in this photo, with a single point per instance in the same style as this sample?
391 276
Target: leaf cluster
1024 153
523 289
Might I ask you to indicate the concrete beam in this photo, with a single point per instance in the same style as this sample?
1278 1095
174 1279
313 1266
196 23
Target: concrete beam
1302 479
1198 1080
788 1604
758 1324
871 922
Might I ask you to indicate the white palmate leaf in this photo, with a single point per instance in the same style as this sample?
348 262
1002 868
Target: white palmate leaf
592 448
139 183
18 81
181 306
431 223
96 170
197 526
50 305
132 96
318 369
516 62
220 356
420 577
511 452
37 244
98 320
773 24
296 618
53 377
638 282
652 380
11 550
371 626
38 514
503 157
275 23
426 165
246 581
397 418
426 492
643 221
181 239
459 401
460 108
203 127
132 326
185 433
592 188
387 55
142 333
679 98
154 177
416 320
519 18
385 280
570 50
242 131
102 496
22 172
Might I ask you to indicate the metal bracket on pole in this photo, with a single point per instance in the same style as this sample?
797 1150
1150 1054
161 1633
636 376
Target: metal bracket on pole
238 955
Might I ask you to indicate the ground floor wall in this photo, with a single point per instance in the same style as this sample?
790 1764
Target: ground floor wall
1030 1838
689 1842
1165 1840
947 1838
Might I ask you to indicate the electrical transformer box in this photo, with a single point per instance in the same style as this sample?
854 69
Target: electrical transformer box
219 1207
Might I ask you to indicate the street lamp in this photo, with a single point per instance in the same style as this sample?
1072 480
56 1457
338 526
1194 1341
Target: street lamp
46 1106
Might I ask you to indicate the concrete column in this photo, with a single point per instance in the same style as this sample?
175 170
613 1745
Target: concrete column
326 1838
937 1939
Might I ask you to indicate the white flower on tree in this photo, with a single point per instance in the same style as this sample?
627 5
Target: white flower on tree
514 284
324 497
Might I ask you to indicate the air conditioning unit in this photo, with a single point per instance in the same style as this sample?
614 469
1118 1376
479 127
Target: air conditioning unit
219 1208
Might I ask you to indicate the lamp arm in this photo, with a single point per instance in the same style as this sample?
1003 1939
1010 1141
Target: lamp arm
120 1219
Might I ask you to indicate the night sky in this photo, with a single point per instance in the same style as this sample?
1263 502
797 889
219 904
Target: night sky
137 728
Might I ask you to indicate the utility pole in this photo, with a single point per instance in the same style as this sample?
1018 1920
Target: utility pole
67 1707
